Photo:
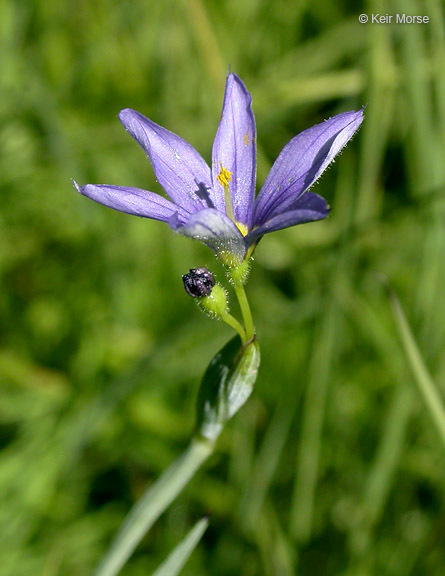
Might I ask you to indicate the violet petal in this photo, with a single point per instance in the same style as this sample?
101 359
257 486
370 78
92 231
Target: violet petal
133 201
234 149
179 168
307 208
301 163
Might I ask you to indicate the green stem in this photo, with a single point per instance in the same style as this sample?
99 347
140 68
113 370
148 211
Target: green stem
233 323
155 500
245 311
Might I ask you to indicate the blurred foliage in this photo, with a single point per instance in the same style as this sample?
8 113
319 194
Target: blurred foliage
334 465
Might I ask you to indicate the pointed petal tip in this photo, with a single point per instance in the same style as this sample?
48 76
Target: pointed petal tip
126 111
132 121
126 115
235 78
82 189
346 119
358 116
361 111
357 119
361 115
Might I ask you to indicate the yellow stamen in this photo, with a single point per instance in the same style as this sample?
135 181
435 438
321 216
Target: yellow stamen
224 176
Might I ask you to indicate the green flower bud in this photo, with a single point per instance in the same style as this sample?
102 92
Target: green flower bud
226 385
215 305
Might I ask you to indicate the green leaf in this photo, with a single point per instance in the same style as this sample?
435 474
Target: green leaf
226 385
179 556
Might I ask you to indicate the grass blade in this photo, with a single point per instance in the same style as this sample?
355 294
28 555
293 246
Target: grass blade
179 556
425 383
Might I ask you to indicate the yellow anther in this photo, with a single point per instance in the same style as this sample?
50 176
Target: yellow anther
224 176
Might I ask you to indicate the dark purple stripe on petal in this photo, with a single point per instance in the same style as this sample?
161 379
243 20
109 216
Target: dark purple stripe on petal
234 148
301 163
215 230
133 201
308 208
179 168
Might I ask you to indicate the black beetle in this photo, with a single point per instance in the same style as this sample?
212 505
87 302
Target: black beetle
198 282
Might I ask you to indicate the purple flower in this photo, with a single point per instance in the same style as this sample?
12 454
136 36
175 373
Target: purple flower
218 205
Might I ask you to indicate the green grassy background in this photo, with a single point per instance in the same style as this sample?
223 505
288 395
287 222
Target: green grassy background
334 467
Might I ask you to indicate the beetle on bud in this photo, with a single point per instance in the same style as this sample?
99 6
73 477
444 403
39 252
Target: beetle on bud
198 282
